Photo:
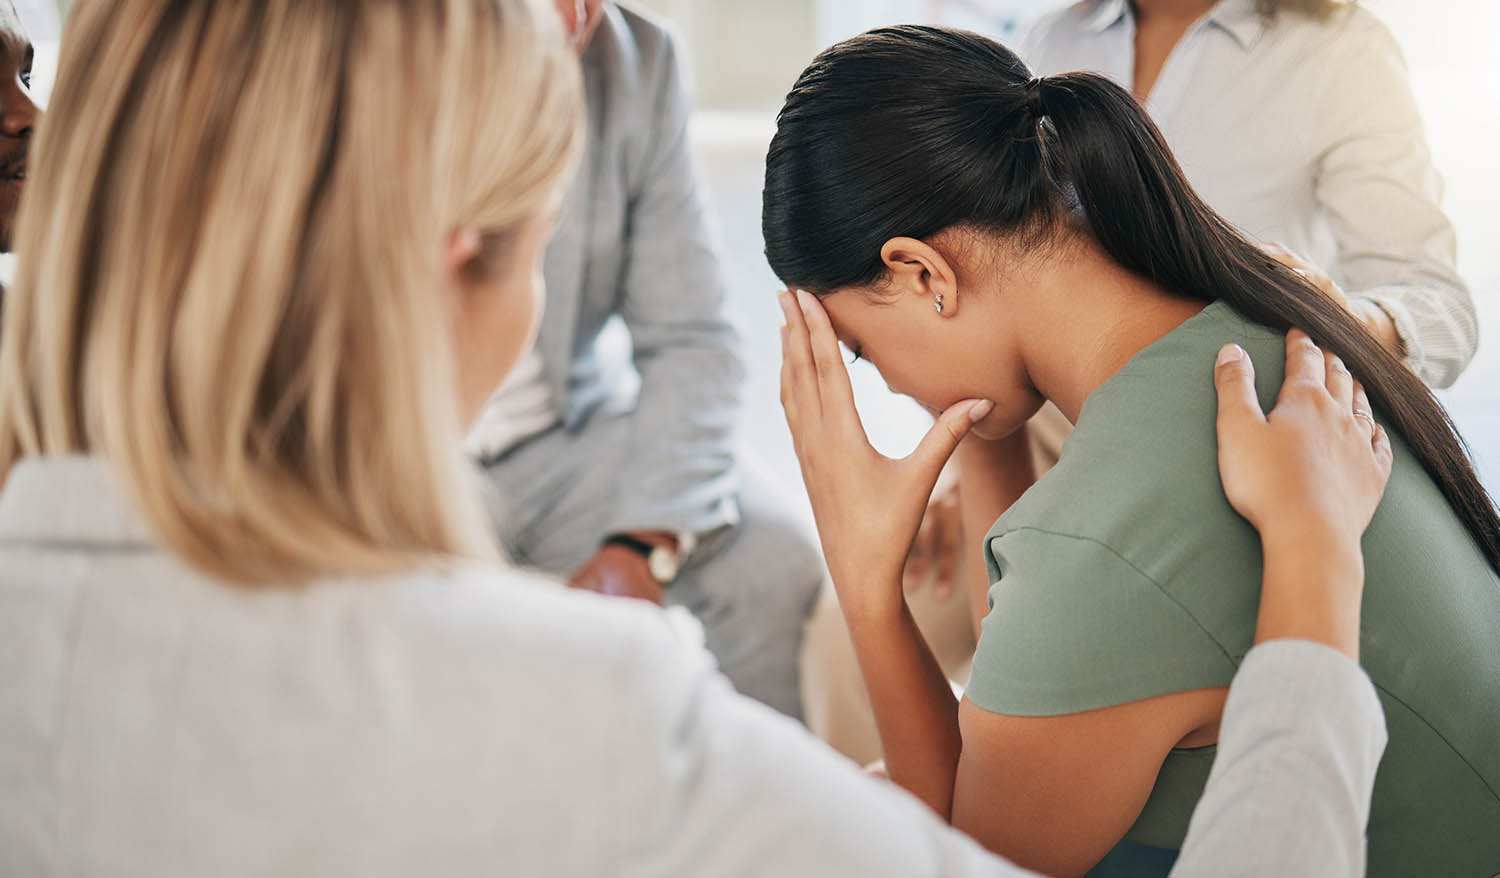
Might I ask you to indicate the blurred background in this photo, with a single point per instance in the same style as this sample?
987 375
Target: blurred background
744 56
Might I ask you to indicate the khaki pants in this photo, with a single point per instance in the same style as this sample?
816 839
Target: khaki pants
835 703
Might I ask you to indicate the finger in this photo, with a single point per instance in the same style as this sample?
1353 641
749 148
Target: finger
1361 403
1234 380
788 399
1339 382
1381 443
796 357
833 376
1304 361
942 440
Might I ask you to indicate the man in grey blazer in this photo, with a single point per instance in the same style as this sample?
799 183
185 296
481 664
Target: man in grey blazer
612 462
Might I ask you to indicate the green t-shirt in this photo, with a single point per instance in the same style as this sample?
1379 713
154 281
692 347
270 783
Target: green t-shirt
1124 574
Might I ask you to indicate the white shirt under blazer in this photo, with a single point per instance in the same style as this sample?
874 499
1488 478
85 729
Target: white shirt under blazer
1303 133
156 722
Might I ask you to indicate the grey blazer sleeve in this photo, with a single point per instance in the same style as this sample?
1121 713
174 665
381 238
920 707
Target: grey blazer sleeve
680 474
715 784
1289 794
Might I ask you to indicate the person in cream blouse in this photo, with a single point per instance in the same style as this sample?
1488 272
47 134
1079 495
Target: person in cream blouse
1303 131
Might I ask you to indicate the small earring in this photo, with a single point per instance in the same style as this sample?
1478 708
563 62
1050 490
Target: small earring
939 303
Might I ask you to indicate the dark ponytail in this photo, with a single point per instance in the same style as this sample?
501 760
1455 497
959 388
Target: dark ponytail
913 130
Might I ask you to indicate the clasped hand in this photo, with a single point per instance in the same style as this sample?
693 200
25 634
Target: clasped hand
868 506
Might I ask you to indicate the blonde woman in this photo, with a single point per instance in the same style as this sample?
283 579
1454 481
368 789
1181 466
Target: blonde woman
274 254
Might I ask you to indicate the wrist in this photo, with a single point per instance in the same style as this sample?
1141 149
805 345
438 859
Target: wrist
1312 589
660 553
661 538
1314 543
1381 325
870 607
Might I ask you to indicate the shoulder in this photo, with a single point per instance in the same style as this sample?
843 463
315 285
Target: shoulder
1352 35
1365 52
516 637
1144 454
1357 25
637 85
1074 625
634 51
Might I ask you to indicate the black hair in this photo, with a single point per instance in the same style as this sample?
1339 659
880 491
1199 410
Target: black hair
908 131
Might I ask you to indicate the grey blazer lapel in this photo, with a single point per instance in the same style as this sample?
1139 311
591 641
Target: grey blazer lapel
566 270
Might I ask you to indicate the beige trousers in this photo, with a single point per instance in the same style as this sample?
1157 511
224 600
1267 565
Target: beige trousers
835 703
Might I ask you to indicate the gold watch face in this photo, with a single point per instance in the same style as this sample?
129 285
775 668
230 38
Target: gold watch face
663 564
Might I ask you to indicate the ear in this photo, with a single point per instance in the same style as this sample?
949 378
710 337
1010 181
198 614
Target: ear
460 250
918 269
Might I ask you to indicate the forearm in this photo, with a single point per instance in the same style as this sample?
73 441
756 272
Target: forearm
915 710
1310 588
680 470
992 476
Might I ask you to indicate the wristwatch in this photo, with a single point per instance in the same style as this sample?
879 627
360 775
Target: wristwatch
664 562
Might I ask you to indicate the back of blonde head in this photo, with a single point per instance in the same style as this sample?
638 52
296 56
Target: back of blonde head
230 272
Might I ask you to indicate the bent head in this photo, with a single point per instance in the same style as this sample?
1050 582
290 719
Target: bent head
18 116
907 172
277 254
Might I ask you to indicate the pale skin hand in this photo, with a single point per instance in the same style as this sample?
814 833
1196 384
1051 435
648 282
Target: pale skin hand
1308 476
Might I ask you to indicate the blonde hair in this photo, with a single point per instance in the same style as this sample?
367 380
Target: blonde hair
230 270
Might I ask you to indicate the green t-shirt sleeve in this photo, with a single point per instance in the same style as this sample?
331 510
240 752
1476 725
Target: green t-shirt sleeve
1072 626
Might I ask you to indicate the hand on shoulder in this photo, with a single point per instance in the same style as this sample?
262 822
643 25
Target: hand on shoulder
1309 476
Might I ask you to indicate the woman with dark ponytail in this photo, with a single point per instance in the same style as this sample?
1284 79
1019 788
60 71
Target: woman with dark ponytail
992 241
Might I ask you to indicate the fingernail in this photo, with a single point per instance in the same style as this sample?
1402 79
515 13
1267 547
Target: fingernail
1230 353
980 410
805 299
784 298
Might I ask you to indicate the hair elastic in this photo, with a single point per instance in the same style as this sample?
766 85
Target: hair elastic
1034 98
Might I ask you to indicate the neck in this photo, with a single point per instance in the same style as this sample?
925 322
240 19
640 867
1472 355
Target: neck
1170 10
1107 315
